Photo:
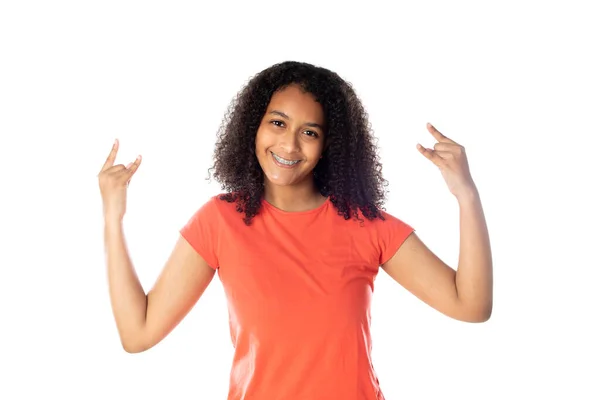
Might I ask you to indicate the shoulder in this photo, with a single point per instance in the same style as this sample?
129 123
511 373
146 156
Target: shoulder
390 232
384 225
388 227
390 219
226 205
380 237
214 209
394 224
385 220
221 202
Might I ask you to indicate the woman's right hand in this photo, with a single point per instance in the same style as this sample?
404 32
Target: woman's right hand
113 181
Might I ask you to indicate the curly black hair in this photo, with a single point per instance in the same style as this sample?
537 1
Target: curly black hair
349 172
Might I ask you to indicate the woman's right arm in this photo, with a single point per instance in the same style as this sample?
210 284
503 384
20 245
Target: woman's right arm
143 319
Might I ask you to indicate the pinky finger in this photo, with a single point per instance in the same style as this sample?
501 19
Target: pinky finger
132 166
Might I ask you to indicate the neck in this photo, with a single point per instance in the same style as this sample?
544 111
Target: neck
302 197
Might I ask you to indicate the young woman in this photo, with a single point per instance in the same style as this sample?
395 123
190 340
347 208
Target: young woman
297 238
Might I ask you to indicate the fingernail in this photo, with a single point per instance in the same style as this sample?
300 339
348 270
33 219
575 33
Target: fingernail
429 125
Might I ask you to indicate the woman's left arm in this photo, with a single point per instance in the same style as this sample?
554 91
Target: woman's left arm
465 293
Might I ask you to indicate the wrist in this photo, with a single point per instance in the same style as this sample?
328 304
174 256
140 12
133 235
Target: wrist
467 195
112 223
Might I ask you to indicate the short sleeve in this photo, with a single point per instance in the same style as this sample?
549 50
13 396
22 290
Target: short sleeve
201 232
392 232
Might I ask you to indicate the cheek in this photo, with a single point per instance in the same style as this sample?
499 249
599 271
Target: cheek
260 140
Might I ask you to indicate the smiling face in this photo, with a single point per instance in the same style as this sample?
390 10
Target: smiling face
290 138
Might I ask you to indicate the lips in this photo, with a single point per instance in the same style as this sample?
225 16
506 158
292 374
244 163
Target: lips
284 162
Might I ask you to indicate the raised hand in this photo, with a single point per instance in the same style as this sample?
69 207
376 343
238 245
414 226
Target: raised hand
451 158
113 181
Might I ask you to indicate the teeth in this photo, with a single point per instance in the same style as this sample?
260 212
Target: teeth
284 161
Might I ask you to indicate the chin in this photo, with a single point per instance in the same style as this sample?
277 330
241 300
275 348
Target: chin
284 182
281 178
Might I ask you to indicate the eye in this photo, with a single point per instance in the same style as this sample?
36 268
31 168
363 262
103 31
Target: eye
278 123
312 134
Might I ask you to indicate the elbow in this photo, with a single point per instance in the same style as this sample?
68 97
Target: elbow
482 315
487 314
486 311
479 317
134 345
477 314
129 349
134 338
134 348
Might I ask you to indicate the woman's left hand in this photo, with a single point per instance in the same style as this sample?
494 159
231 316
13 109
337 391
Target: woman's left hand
451 158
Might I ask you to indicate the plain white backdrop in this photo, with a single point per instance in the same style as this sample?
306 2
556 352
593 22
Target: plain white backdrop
515 82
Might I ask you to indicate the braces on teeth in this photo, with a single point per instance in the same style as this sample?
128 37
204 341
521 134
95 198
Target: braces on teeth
284 161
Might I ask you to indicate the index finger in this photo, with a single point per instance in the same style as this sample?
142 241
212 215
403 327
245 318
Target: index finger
110 160
438 135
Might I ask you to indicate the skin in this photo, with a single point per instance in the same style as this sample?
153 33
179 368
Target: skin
292 128
464 294
143 319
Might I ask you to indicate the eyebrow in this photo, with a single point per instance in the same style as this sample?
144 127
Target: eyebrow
285 116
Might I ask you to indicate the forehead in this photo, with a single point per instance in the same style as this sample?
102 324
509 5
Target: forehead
297 104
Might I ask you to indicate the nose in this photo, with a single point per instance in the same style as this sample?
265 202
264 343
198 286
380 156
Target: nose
289 142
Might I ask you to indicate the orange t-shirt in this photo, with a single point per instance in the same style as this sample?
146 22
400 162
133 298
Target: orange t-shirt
298 287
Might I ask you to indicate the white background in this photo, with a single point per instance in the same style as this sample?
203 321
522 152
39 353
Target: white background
515 82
